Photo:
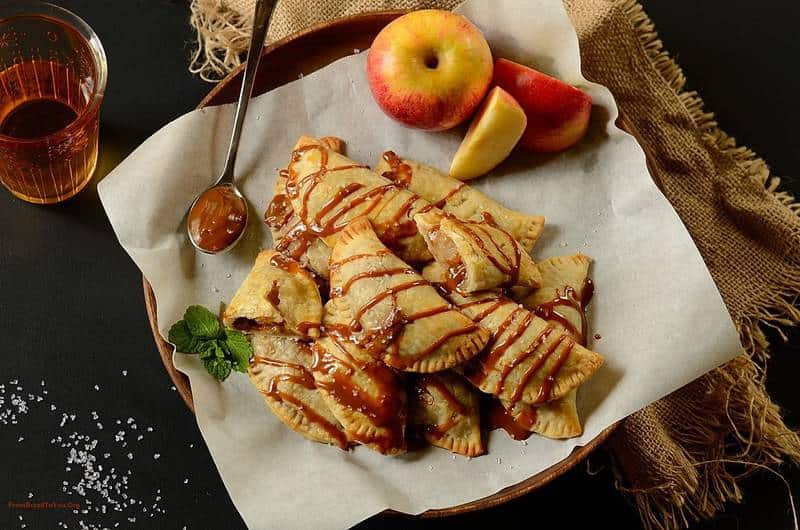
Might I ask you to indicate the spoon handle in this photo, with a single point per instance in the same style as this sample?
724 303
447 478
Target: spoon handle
260 22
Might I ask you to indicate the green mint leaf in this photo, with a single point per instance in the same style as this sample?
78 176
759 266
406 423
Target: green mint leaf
202 322
239 348
182 338
219 368
210 349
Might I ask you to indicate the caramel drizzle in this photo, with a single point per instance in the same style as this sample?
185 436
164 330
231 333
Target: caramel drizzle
330 227
304 327
549 310
279 212
402 174
547 386
344 289
399 172
274 294
384 335
393 230
497 352
335 266
294 239
530 350
508 265
423 386
338 197
526 417
287 265
386 410
306 380
355 324
518 426
299 234
494 352
406 361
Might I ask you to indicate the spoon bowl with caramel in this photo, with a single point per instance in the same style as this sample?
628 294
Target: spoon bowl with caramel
218 216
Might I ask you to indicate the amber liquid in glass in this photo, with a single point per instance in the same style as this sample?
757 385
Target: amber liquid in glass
48 150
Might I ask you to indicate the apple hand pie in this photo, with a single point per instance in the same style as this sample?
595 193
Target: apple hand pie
478 255
279 295
393 312
459 199
564 294
366 396
289 235
281 371
557 419
328 190
528 359
561 300
446 411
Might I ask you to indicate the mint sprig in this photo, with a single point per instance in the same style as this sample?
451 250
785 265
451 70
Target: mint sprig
221 349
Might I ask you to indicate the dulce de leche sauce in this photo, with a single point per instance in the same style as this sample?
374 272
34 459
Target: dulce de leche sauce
217 219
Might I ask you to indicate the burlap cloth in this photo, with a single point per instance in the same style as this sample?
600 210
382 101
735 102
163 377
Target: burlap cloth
681 458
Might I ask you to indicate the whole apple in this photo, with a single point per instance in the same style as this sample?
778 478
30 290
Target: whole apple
429 69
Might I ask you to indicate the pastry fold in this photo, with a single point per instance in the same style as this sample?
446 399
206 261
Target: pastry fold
385 306
445 409
459 199
279 295
478 255
281 371
365 396
327 190
528 359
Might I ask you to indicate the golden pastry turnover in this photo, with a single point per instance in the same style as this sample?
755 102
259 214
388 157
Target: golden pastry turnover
561 300
281 371
365 395
478 255
459 199
278 294
327 190
393 312
445 410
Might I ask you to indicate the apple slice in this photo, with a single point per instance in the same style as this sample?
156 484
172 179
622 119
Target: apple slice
493 133
558 114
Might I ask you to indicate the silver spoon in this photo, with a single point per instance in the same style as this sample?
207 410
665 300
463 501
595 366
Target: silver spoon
220 220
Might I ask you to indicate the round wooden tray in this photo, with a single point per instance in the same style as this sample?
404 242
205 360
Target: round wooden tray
284 61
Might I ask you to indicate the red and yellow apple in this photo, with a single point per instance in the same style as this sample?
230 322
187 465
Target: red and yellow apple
558 114
429 69
492 135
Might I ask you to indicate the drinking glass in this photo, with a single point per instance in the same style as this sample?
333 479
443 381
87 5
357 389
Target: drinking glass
52 80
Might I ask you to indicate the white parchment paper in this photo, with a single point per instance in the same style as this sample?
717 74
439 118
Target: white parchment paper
661 318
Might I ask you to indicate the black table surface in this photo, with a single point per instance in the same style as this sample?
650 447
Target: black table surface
73 320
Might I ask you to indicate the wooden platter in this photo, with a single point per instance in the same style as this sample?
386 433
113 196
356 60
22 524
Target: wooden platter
284 61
